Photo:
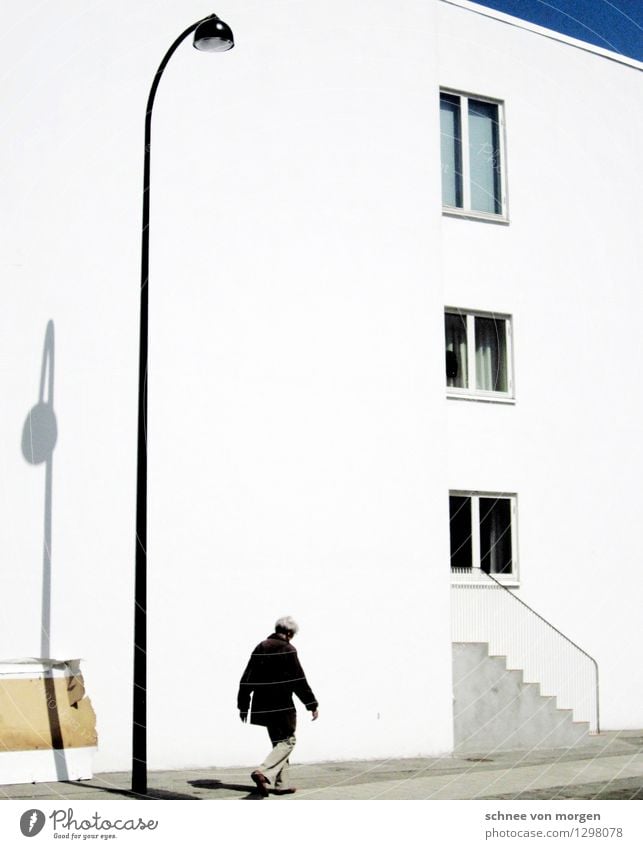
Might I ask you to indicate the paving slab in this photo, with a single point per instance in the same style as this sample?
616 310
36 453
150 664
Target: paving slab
606 766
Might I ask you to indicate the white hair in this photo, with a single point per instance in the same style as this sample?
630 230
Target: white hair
286 625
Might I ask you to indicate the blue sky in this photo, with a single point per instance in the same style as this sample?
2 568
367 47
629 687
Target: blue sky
613 24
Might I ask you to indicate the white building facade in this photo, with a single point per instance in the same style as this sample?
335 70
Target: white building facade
310 229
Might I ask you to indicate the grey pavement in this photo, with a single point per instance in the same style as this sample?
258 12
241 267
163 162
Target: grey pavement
606 766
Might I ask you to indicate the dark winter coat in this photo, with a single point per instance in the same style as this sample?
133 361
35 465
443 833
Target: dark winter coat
272 675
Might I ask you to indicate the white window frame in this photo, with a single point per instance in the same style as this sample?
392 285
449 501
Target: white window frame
511 579
465 210
471 392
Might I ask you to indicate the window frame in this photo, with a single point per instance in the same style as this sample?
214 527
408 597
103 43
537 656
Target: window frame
465 210
473 393
511 579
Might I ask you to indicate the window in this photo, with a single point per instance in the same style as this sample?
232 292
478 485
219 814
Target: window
482 530
478 354
471 149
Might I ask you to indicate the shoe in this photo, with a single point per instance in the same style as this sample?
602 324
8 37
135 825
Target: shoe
261 781
284 791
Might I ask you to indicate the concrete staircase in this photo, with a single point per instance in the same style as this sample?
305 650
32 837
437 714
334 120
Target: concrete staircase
495 710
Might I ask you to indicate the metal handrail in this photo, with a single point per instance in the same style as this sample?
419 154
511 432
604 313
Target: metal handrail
560 633
499 584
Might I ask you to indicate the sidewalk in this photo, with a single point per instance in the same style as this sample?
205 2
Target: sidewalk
609 766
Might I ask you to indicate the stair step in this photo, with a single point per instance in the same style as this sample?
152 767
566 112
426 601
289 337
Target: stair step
496 709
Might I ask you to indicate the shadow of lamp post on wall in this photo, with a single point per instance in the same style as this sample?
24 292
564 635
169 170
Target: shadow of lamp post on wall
212 35
39 437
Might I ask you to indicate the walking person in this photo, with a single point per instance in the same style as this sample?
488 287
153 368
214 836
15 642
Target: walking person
272 675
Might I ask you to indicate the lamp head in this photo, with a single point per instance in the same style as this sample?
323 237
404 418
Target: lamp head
213 35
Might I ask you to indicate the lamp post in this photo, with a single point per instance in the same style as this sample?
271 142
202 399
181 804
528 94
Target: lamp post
212 35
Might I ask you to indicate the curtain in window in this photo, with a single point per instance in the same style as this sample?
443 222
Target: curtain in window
460 531
495 536
456 349
451 150
484 156
491 354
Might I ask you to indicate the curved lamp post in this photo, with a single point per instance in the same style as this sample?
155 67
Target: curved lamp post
212 35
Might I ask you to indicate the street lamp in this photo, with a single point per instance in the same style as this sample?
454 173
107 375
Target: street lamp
212 35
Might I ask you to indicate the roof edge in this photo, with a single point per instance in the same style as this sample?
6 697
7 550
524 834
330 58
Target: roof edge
511 20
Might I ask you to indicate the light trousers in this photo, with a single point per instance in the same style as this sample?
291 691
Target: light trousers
275 766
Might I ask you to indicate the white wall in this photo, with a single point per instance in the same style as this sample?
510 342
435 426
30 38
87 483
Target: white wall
567 267
297 421
296 452
70 238
297 448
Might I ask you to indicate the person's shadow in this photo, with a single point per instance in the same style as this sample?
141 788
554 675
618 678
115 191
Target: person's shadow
215 784
152 793
39 436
